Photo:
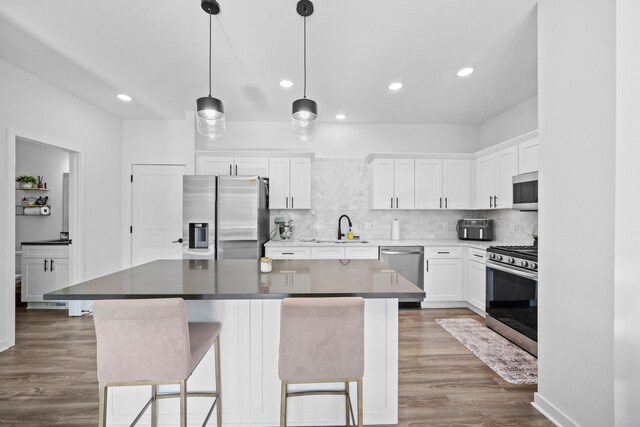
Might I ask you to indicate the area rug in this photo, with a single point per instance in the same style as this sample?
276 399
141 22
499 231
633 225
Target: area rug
513 364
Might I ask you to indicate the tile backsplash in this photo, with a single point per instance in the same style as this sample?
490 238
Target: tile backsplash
341 186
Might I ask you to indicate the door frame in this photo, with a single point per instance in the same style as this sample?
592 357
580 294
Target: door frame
8 222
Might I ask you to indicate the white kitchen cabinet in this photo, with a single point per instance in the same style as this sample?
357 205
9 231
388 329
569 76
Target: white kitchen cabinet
476 278
327 252
361 252
392 184
528 156
45 268
442 184
290 183
345 251
443 274
494 179
210 164
288 252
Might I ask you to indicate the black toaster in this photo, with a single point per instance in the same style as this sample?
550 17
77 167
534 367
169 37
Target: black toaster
475 229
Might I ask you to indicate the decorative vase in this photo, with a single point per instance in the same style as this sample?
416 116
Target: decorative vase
40 185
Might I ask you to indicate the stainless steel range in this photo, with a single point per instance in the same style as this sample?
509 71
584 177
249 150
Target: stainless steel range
512 294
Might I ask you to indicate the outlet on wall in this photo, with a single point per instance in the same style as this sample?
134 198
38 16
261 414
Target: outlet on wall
374 225
445 225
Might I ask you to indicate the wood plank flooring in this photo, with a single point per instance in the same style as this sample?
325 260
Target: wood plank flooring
49 377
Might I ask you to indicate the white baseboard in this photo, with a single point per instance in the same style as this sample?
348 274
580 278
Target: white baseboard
444 304
552 413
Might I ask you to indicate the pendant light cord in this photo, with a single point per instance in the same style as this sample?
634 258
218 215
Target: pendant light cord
305 58
209 52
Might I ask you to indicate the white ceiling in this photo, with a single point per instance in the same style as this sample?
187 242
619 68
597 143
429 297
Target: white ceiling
156 51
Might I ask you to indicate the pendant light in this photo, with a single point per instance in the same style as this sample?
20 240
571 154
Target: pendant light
210 114
304 118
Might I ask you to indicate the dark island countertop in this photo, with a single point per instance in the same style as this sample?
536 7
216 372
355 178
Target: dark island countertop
242 279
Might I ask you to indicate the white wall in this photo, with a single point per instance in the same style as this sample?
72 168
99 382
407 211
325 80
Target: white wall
348 140
515 121
576 218
51 163
627 267
152 142
31 107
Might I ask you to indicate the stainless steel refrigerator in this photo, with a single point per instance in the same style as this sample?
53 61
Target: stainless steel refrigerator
224 217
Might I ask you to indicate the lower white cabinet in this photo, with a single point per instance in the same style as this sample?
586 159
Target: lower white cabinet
45 268
443 279
287 252
476 278
322 252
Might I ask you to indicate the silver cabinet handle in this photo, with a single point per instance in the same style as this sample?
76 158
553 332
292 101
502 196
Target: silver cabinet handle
236 169
427 266
479 256
230 171
392 203
51 265
291 202
396 203
45 265
490 201
287 253
287 201
440 202
495 201
445 203
444 252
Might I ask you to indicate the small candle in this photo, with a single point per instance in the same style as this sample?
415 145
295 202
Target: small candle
265 264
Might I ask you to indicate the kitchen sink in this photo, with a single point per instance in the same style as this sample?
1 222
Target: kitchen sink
348 242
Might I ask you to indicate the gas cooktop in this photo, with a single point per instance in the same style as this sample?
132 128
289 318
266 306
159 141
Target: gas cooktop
526 252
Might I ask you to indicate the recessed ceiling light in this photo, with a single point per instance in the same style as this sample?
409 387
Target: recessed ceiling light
341 116
286 83
395 86
464 72
125 98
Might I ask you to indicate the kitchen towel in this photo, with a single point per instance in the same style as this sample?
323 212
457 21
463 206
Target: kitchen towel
395 229
32 210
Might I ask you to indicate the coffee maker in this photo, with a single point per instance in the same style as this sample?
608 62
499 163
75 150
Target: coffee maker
284 228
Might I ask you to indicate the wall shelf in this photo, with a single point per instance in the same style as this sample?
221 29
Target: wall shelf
20 210
32 189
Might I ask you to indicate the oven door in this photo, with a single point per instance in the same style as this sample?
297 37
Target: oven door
512 298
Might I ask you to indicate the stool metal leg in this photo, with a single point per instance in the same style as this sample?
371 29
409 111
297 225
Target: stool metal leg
360 402
347 403
283 404
183 403
154 406
102 411
218 381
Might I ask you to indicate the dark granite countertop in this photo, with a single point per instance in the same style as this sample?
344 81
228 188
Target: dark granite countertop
242 279
49 242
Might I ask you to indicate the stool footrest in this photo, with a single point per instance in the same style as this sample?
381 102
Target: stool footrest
176 394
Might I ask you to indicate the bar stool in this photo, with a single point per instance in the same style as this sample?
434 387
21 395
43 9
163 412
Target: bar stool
321 341
150 342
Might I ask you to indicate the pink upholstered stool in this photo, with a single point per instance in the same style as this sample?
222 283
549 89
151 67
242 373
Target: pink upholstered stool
149 342
321 341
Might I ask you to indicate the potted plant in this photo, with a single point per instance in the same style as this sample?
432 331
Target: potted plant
26 181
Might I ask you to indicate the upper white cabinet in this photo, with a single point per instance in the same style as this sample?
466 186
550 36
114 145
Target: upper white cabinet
210 164
528 156
442 184
290 183
391 183
494 174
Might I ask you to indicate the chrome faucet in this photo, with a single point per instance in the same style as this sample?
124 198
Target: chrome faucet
340 226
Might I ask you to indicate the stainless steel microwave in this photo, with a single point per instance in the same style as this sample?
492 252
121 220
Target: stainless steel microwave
525 191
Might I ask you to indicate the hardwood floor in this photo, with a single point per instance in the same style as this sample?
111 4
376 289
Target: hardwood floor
49 377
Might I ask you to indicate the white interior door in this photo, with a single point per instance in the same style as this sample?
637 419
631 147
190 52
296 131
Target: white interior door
156 216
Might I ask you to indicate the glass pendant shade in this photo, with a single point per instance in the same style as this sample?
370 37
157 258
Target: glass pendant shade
304 119
210 117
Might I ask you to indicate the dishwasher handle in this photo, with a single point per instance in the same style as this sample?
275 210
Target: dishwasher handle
400 252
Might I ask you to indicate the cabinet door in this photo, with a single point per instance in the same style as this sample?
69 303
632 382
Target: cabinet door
428 184
251 166
370 252
59 268
485 177
443 279
35 280
528 156
476 284
404 183
381 184
300 183
456 183
506 164
328 252
214 165
278 183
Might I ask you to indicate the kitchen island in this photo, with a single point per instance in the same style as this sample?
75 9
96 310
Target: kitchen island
247 303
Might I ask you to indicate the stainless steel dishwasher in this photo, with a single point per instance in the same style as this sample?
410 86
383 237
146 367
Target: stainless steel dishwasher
408 261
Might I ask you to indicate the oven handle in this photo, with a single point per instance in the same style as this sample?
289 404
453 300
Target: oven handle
525 274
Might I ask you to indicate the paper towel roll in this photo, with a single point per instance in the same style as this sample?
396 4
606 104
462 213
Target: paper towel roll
395 229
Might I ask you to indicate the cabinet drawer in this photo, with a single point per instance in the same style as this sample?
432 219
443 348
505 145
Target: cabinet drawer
443 252
280 252
369 252
477 255
45 251
327 252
